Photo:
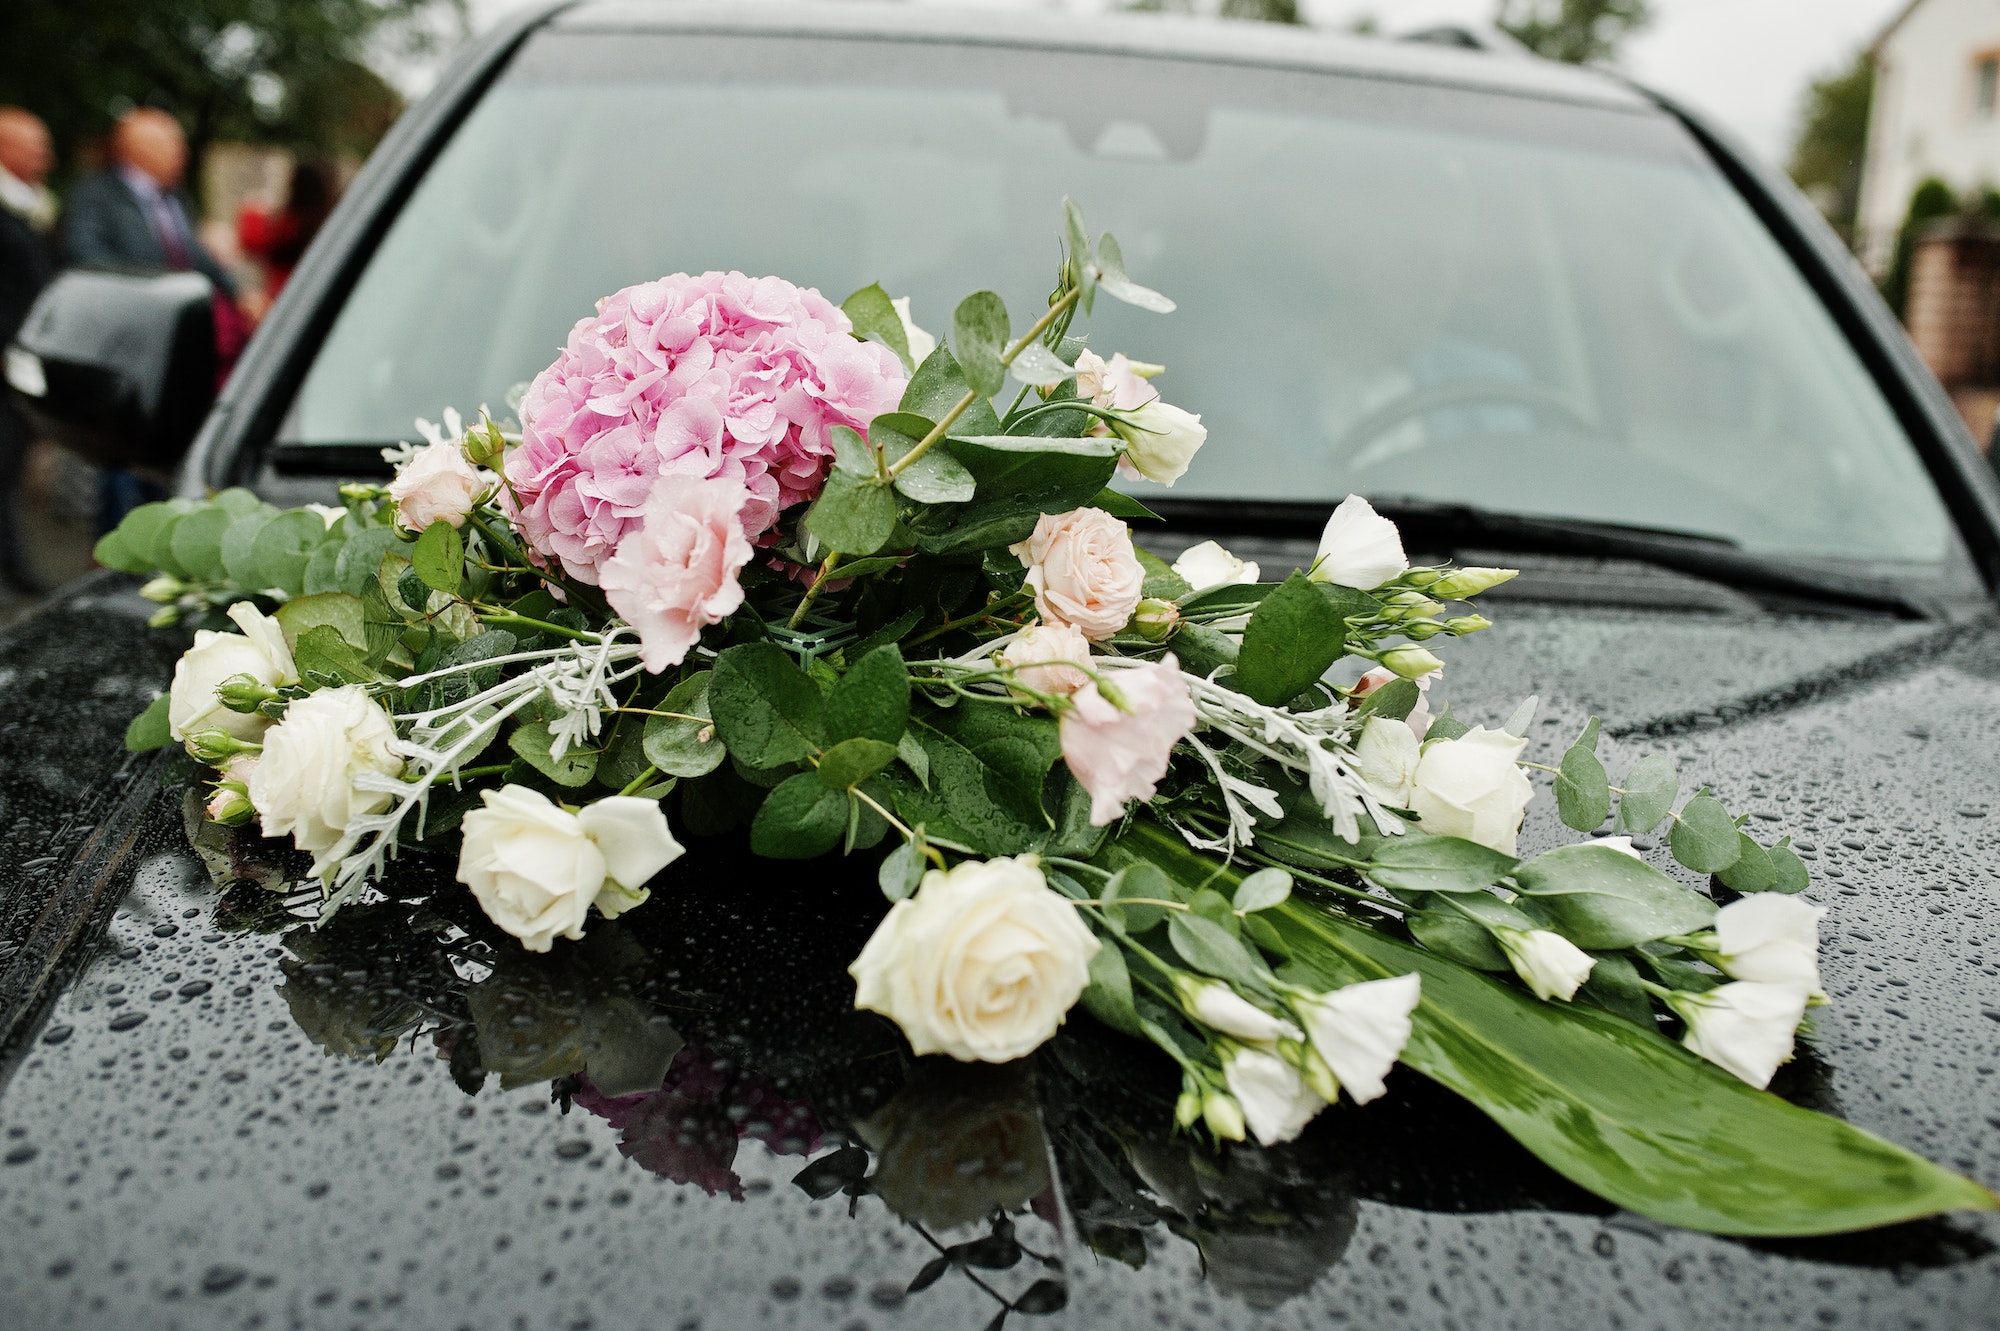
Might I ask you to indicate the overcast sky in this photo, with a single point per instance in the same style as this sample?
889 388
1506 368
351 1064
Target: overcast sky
1745 62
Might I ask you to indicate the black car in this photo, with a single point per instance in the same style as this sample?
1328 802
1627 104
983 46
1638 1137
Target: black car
1542 318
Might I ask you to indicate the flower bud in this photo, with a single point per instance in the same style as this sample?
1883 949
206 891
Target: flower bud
217 746
1223 1116
242 693
1460 583
1413 605
1312 1068
1187 1109
165 617
163 589
1410 662
230 804
1421 629
484 444
1155 620
1463 624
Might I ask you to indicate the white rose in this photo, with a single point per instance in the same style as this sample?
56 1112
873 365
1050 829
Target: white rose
1360 1030
1770 938
305 781
259 652
1622 844
1469 787
1359 548
1277 1103
1219 1007
982 963
1160 441
921 344
1083 571
537 869
1553 966
1744 1027
1209 565
1048 657
1386 758
437 484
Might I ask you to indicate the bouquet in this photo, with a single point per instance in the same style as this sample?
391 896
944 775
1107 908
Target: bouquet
751 558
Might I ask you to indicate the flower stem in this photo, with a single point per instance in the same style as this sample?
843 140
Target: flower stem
639 782
507 618
812 592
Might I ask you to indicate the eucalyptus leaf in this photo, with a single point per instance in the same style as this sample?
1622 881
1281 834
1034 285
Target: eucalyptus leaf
799 820
149 730
531 744
1599 897
855 515
680 747
1109 994
936 477
979 331
1583 791
196 543
1704 838
1263 889
281 550
1039 366
1213 950
1650 788
1111 280
1788 870
1416 862
937 388
1144 881
852 761
239 541
1754 870
766 710
873 314
902 869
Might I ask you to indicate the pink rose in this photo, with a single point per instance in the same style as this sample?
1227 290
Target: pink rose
1120 753
677 573
1083 570
1113 383
1419 719
1035 646
437 484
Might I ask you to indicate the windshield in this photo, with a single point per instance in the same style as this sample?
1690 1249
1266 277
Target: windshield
1411 292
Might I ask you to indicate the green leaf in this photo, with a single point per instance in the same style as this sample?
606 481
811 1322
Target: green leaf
1161 580
1039 366
872 700
1446 726
1393 701
347 615
1614 985
1754 870
912 752
1018 479
1202 649
854 514
531 744
873 314
280 550
1583 791
765 708
988 766
1650 788
1141 880
323 654
979 331
1617 1109
1109 994
1788 870
1123 506
148 730
147 532
1602 898
1450 934
934 478
112 552
852 761
1293 636
1231 598
239 541
439 557
1213 950
938 386
901 872
1414 862
685 748
1111 280
196 543
1263 890
320 574
1079 269
1704 838
359 559
799 820
237 501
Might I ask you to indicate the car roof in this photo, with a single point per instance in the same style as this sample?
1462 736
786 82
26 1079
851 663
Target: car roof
1277 46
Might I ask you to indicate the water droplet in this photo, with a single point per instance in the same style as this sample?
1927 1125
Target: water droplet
194 989
125 1021
222 1279
56 1034
574 1149
165 930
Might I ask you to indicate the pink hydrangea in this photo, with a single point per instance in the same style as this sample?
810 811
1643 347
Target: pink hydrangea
716 376
1119 753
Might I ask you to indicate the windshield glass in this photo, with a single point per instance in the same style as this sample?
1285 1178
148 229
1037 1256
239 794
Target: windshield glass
1411 292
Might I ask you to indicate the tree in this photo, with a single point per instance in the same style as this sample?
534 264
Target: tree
1833 137
1267 11
276 71
1576 31
1932 200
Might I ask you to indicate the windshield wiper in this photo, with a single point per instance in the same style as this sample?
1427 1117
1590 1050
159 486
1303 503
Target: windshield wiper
1447 528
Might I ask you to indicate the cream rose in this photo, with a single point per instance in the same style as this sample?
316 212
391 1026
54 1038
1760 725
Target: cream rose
982 963
437 484
537 869
1469 787
1048 657
1119 749
1083 571
259 652
306 781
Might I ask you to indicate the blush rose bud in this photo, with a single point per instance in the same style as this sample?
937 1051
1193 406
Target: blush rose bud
485 445
243 693
230 805
1155 620
218 746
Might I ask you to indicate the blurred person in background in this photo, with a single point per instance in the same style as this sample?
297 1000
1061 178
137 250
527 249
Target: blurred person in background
133 215
27 213
277 239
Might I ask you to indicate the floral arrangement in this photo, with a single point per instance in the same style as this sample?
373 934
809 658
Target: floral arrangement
757 559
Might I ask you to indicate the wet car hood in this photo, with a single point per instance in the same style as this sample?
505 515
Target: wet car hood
213 1117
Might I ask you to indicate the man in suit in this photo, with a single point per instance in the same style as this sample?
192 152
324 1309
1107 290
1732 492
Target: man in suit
26 213
133 215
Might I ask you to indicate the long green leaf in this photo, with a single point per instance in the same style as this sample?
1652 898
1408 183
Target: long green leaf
1617 1109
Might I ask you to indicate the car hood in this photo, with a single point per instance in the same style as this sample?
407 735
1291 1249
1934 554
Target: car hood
214 1116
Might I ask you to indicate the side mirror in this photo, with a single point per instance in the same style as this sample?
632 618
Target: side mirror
117 367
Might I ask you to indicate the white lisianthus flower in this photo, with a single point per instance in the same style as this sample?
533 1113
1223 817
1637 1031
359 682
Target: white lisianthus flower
1160 441
982 963
1469 787
1743 1027
1386 758
1119 383
305 784
537 869
1360 1030
259 652
1277 1104
921 344
1622 844
1419 719
1219 1007
327 513
1770 938
437 484
1209 565
1359 548
1553 966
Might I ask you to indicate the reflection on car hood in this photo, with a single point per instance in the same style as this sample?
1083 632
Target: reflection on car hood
404 1119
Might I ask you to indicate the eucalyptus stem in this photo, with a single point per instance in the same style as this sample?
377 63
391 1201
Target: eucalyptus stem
639 782
509 618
